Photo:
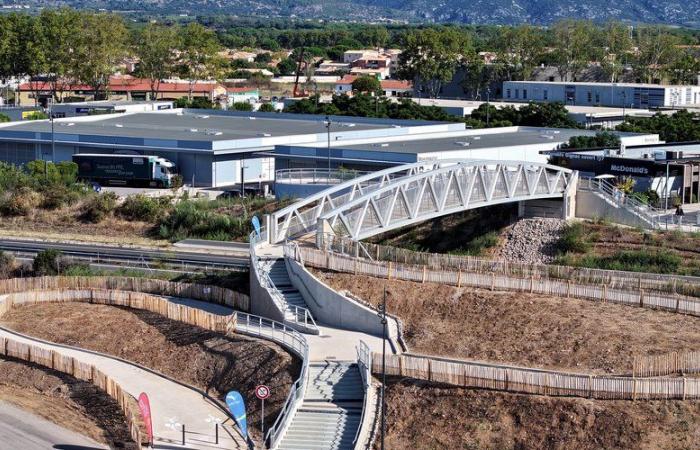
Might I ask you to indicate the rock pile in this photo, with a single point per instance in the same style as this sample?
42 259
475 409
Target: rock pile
531 241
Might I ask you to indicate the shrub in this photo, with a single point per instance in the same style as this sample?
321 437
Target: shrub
20 202
267 107
242 106
477 245
57 196
97 208
37 115
197 219
7 265
144 208
4 118
661 261
573 239
47 262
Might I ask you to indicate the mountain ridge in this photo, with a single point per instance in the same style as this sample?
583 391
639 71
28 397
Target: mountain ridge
537 12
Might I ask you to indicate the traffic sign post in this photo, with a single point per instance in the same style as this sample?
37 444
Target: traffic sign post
262 392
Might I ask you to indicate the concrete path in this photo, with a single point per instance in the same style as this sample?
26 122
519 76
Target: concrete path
20 429
172 404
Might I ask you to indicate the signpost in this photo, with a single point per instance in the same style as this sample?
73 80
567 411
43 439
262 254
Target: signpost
145 408
256 226
262 392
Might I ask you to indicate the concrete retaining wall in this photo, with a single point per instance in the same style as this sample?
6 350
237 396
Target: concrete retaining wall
261 302
330 307
590 205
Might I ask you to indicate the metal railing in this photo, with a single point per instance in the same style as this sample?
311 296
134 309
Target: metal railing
611 193
364 364
284 335
316 176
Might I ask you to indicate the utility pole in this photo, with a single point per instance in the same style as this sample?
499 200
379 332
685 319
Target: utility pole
53 141
382 315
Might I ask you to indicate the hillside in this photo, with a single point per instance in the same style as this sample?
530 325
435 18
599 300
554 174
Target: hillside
465 11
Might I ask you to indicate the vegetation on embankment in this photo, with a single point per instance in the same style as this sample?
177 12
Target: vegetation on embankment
474 232
51 199
604 246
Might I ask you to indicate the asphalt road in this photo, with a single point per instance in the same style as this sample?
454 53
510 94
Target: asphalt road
96 253
20 429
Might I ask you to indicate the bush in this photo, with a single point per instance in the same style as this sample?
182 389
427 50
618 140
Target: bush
97 208
47 262
197 219
477 246
267 107
573 239
242 106
7 265
661 261
37 115
57 196
4 118
144 208
20 202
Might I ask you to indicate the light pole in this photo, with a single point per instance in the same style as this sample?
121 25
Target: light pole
53 141
328 148
382 315
488 106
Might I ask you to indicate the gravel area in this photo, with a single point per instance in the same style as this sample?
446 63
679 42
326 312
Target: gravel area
531 241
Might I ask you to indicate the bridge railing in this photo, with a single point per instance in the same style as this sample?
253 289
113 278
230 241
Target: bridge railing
316 176
646 212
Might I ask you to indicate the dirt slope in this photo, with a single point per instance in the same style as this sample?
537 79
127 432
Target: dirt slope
524 329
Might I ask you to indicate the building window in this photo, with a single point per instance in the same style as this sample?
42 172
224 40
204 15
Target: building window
590 97
517 93
507 93
524 93
545 95
597 97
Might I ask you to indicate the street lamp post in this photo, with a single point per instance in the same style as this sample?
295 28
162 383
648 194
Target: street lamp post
53 141
328 148
382 315
488 106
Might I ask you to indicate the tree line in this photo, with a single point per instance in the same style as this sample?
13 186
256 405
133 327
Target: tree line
61 46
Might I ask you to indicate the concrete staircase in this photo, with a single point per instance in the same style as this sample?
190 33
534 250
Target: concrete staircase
330 415
293 302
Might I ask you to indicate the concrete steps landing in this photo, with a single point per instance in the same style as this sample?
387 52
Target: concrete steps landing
291 297
330 415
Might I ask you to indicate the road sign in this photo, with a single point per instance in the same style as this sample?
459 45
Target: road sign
262 392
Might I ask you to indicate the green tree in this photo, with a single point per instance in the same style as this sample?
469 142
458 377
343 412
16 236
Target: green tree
602 139
685 68
47 262
101 46
156 48
657 52
617 44
683 126
267 107
198 55
367 84
60 29
431 56
21 48
518 50
287 66
376 36
4 118
574 47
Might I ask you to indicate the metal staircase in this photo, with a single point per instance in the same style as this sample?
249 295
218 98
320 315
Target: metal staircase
331 413
646 215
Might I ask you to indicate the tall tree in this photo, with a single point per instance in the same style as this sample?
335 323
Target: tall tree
156 48
431 56
21 49
657 52
617 45
685 68
198 55
60 30
101 46
574 47
518 50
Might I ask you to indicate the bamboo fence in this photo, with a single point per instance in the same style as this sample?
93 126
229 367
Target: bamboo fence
136 300
667 364
494 281
535 381
82 371
210 294
685 285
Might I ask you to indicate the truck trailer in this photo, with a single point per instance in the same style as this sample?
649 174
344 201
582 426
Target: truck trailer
125 170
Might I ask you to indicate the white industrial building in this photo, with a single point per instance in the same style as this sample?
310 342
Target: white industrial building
628 95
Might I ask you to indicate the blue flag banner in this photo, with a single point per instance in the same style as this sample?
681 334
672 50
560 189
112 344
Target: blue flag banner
235 404
256 225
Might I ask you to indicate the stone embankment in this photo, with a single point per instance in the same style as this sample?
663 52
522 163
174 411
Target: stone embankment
531 241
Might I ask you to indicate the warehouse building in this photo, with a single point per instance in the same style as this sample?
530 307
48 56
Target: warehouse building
628 95
210 148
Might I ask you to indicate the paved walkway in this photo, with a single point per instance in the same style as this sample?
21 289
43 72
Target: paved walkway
20 429
172 404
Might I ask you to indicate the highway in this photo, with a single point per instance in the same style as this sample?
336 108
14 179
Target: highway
99 254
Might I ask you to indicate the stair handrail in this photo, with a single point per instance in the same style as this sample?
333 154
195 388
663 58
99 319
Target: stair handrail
297 391
614 194
364 362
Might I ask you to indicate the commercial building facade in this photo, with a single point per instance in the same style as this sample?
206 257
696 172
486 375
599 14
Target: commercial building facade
619 95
